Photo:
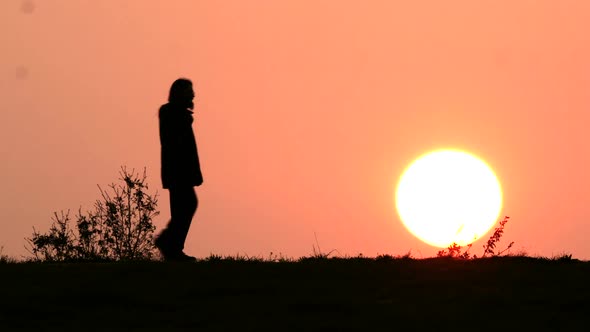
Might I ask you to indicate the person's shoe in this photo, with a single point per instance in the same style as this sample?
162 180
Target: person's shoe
179 257
187 258
168 252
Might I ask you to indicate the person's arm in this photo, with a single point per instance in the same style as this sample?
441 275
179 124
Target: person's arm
170 132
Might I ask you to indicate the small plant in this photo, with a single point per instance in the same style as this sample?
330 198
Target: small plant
4 258
278 258
384 258
317 252
495 238
563 258
387 257
56 245
214 258
119 228
457 251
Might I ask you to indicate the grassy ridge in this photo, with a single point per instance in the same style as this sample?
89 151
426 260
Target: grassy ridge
355 294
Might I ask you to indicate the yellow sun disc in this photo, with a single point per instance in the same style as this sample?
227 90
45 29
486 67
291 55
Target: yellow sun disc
448 196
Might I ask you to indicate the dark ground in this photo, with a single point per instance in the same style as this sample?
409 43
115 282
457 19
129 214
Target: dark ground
509 293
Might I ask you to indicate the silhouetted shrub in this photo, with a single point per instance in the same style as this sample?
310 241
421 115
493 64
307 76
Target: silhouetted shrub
495 238
489 249
118 228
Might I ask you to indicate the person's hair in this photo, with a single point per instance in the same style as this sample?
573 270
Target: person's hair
178 87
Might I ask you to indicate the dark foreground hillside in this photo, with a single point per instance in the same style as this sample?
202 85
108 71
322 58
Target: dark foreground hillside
313 295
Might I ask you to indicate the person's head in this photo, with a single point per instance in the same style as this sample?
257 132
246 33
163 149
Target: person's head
181 92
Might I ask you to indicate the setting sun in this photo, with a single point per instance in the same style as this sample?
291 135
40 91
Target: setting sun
448 196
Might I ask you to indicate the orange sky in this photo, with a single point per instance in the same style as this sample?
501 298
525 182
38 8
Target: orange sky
307 113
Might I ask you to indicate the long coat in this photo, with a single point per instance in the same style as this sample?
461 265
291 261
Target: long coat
180 158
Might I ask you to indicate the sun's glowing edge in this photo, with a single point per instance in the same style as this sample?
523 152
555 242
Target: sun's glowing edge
441 224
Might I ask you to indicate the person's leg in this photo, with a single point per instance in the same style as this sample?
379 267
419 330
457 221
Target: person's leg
190 203
183 204
165 240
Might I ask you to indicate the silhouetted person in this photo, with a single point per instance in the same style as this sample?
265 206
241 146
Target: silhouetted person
181 170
